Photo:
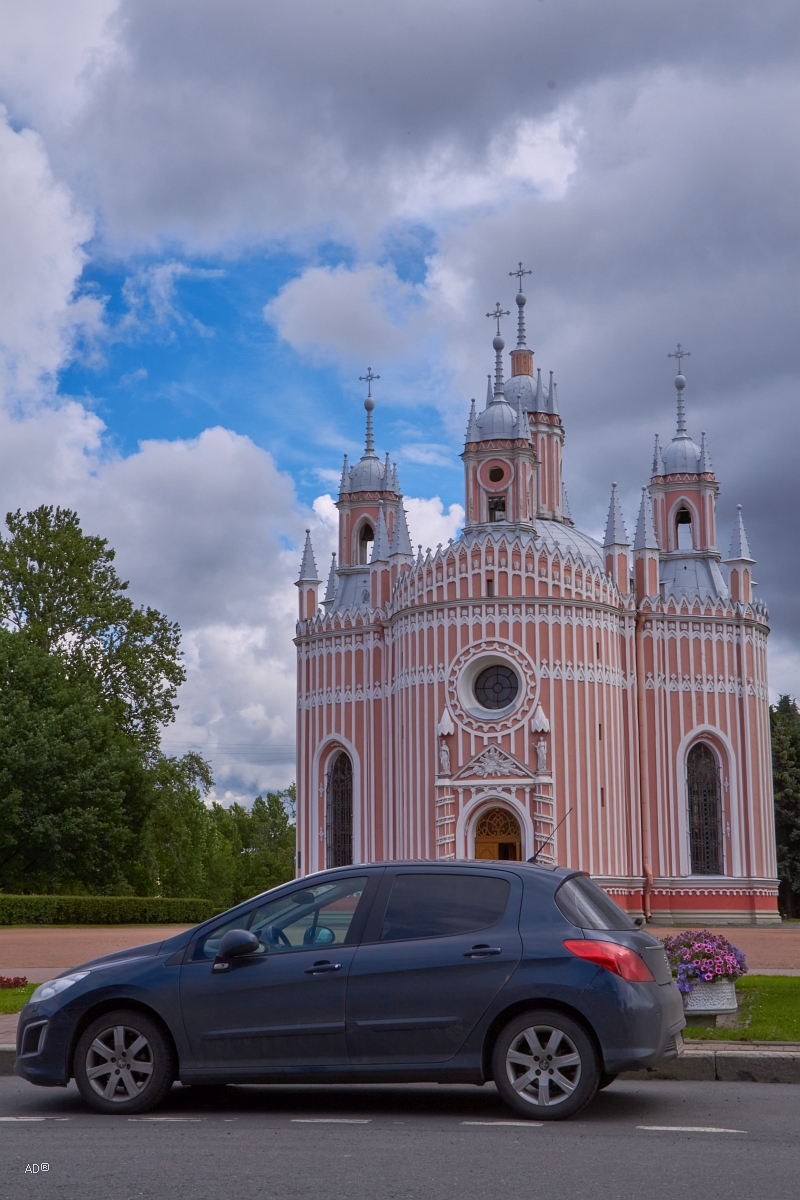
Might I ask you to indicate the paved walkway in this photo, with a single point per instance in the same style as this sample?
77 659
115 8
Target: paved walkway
24 946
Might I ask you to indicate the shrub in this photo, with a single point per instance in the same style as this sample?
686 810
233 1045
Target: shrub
13 981
102 910
699 956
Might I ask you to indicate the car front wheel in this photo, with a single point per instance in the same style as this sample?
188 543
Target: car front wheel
545 1066
124 1063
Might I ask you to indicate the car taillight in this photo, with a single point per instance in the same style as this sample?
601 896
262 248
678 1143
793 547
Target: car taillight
618 959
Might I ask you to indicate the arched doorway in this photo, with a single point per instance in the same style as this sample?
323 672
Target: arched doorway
705 810
339 813
498 836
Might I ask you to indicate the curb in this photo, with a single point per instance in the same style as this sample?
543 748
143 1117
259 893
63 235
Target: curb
8 1056
725 1065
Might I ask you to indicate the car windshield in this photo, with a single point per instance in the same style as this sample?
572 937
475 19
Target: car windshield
586 905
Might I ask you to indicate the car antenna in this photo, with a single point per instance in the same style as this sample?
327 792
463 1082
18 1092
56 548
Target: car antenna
552 835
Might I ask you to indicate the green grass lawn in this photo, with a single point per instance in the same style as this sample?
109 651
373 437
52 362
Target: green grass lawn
769 1011
13 999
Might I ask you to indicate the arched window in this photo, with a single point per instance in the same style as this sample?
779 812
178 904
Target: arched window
683 529
365 539
497 836
705 811
339 814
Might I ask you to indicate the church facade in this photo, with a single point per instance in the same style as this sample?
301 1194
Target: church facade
526 691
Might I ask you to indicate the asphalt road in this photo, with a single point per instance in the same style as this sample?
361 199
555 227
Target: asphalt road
405 1143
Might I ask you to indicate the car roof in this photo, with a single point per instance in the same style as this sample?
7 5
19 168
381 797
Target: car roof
543 870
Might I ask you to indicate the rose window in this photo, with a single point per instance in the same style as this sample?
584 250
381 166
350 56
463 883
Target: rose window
496 687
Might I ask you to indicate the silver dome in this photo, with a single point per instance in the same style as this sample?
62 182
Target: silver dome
567 539
498 420
367 475
682 456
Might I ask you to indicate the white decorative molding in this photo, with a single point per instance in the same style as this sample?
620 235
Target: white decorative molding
493 763
540 723
445 726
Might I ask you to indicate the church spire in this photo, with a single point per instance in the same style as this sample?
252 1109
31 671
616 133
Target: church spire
401 539
616 533
330 590
308 567
740 550
499 346
645 536
369 404
473 433
680 384
521 300
380 546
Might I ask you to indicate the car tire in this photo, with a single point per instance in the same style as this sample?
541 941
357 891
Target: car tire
124 1062
545 1065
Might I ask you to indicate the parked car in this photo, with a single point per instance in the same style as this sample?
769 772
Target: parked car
458 972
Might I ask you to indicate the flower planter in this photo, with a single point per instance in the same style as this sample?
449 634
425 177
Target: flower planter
708 999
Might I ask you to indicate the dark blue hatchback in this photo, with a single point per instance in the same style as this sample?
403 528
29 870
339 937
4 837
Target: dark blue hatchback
455 972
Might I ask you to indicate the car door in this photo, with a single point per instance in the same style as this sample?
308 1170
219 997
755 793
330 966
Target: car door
283 1006
438 947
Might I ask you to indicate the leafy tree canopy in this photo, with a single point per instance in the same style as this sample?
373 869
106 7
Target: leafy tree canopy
785 727
71 784
59 587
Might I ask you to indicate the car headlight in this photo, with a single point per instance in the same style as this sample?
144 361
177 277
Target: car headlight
46 991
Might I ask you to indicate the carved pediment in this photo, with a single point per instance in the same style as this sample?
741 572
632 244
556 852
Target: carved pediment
493 763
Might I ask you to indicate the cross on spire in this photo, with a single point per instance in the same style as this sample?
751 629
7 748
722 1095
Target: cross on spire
519 273
369 378
497 314
679 354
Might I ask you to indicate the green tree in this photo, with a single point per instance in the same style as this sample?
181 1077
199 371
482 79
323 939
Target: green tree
261 841
59 587
785 728
72 787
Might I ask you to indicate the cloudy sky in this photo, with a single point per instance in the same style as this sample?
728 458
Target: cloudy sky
214 217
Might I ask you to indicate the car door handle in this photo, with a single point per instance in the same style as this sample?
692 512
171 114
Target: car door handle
482 951
323 967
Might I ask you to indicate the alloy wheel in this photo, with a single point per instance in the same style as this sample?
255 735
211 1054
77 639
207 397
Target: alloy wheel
119 1063
543 1065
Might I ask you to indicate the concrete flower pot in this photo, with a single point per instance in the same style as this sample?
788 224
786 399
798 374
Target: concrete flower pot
708 999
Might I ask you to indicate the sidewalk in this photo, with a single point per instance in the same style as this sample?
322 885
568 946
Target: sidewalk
40 952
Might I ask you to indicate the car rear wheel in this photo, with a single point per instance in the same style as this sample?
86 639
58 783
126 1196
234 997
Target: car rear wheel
545 1066
124 1063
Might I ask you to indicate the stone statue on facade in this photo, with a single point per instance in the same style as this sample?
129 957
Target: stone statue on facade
541 756
444 757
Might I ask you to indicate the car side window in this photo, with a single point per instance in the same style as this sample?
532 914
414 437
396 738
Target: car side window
207 946
311 918
430 905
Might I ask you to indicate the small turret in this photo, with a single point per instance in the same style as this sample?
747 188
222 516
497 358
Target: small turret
616 544
740 562
308 582
645 551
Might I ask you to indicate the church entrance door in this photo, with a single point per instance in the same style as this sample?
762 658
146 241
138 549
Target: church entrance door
498 836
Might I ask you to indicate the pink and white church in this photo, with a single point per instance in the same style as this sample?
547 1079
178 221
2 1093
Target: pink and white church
526 690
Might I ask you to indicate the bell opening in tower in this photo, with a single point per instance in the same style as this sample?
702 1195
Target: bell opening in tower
365 539
497 508
339 814
683 529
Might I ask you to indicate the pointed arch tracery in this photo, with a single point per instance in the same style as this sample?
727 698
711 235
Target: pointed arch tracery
705 810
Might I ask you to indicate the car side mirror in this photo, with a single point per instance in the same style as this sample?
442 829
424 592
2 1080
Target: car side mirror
639 921
235 944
